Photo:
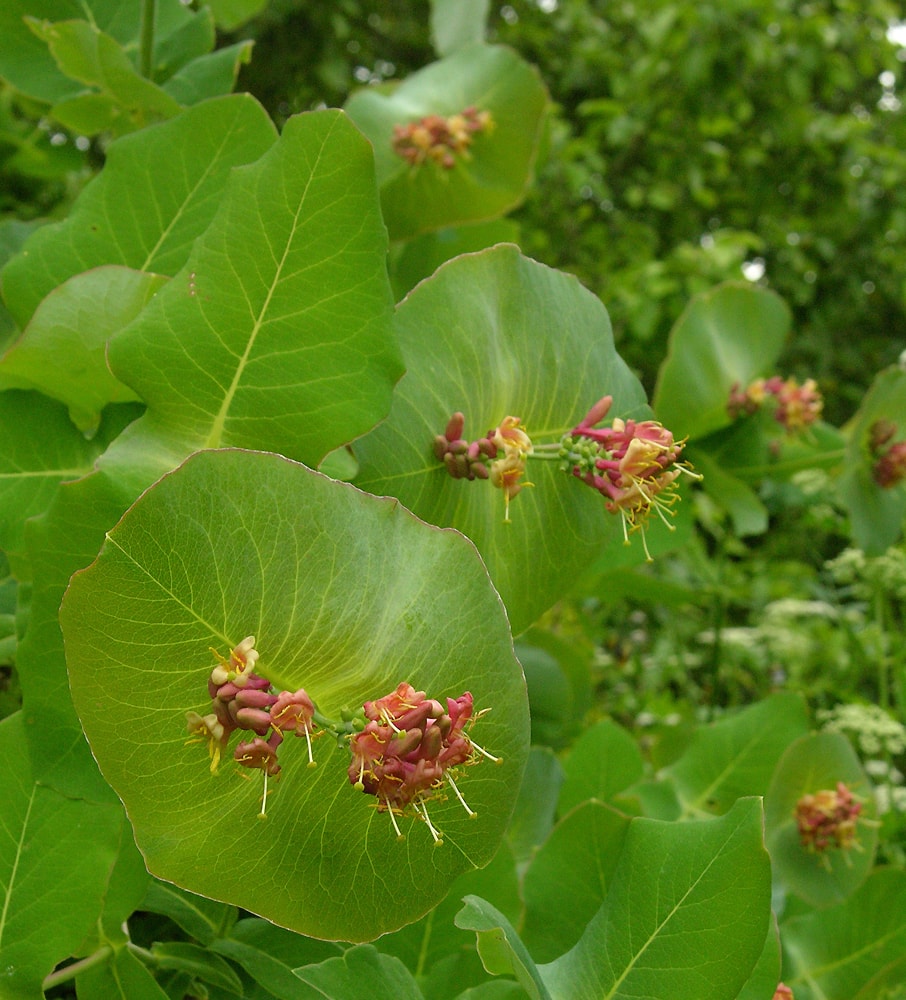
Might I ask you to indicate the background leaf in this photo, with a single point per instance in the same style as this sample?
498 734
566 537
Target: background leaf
203 560
56 855
62 351
604 761
810 764
456 25
494 177
877 514
276 333
140 218
737 754
728 335
835 953
493 334
567 879
498 943
41 450
680 891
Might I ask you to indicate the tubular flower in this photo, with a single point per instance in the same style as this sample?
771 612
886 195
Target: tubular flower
242 699
828 819
795 406
506 472
407 748
440 140
499 456
634 465
889 468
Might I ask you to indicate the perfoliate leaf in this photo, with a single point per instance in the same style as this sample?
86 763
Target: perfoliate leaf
727 336
492 175
347 596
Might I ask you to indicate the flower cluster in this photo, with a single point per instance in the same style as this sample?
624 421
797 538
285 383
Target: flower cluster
440 140
888 456
243 700
634 465
828 819
499 456
408 746
795 406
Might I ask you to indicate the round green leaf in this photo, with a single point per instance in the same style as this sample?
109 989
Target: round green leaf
495 175
347 596
811 764
731 334
493 334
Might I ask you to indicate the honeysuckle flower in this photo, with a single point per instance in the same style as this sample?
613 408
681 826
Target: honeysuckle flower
633 464
210 729
440 140
294 712
828 819
407 748
499 456
260 753
239 666
796 406
889 468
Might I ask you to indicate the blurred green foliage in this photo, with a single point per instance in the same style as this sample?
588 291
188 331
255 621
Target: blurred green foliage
689 139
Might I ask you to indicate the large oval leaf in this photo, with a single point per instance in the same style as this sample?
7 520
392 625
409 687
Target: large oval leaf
347 596
493 334
276 333
494 176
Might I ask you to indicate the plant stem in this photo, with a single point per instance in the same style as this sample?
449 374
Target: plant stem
71 971
146 38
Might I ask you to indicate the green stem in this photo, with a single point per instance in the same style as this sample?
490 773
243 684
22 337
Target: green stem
883 660
71 971
146 38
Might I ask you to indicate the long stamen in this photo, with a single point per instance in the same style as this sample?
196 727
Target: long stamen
438 837
465 805
262 814
399 834
311 760
484 753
